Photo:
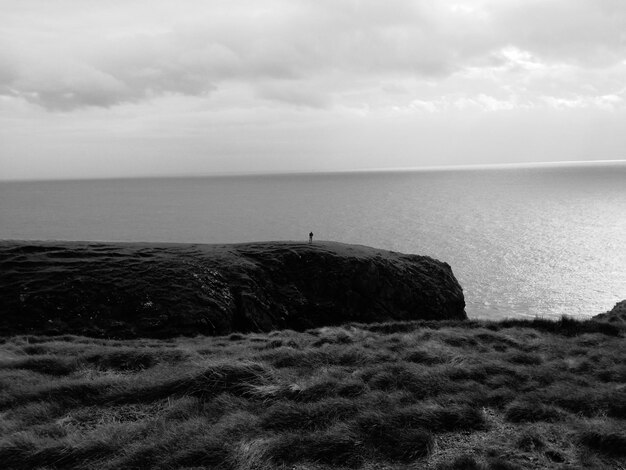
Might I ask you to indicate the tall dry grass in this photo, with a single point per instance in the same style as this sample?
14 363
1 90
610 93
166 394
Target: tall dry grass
448 395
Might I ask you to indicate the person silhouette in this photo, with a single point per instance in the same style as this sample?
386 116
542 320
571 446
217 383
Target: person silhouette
310 237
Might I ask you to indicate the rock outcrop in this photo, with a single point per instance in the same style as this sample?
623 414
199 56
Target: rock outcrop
615 316
163 290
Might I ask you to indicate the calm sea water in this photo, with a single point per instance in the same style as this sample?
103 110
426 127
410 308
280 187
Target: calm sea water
540 241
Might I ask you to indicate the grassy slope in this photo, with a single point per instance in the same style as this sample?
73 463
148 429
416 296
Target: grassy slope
444 395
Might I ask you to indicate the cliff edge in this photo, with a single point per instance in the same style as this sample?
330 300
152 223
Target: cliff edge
616 316
128 290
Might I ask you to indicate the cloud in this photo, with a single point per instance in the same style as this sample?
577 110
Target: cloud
294 93
584 32
606 102
310 53
465 102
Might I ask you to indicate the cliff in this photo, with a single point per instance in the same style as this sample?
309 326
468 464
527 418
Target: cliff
164 290
616 316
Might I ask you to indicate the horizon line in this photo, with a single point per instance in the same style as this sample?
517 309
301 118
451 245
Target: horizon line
233 174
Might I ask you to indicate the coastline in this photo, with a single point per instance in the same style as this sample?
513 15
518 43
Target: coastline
159 290
443 394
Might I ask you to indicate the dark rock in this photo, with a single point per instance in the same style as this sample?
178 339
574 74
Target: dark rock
615 316
161 290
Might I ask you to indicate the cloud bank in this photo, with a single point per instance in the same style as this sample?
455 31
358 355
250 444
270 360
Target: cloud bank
155 86
71 54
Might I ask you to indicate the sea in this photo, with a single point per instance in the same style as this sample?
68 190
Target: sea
523 241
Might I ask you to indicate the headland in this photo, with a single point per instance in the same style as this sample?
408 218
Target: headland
132 290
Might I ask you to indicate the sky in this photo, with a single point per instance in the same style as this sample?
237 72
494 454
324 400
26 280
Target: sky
92 88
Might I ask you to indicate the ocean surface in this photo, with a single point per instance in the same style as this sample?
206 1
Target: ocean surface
535 241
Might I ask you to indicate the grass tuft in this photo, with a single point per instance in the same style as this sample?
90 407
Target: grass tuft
292 416
26 455
524 359
43 364
421 356
124 360
530 441
529 412
422 383
434 418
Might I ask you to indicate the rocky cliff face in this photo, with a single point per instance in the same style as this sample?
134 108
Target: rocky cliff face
133 290
616 316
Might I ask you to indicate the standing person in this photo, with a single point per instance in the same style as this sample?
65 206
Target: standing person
310 238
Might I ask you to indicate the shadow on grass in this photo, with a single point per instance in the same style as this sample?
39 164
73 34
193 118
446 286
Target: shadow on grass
336 447
606 442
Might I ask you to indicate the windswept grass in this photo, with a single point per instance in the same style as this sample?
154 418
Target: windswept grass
449 395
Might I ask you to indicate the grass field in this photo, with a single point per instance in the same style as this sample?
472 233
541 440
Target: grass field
447 395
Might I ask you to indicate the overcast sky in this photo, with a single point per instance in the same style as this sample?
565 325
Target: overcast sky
92 88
